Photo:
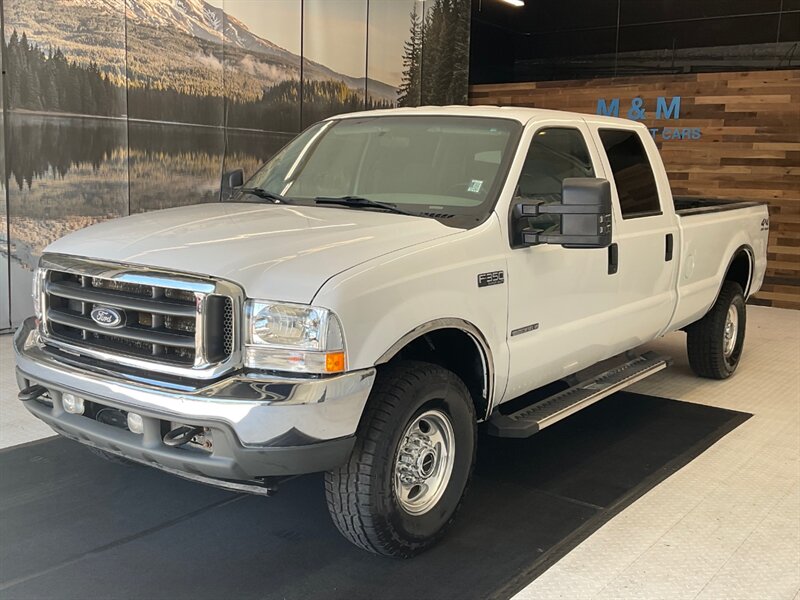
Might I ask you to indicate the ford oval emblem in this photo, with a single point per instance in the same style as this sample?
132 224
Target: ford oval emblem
108 317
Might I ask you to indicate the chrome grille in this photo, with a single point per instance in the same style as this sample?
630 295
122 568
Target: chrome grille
227 331
168 323
121 286
151 326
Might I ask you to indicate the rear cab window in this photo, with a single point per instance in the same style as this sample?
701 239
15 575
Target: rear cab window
632 173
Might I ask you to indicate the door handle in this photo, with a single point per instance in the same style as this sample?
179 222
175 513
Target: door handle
613 259
668 249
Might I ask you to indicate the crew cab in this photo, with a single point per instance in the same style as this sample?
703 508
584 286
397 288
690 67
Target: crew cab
383 285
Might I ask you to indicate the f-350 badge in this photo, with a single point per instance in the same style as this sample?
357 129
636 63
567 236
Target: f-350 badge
491 278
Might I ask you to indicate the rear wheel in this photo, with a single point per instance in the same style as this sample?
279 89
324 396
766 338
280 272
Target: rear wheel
715 342
410 466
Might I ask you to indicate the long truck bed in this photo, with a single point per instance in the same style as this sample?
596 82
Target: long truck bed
712 231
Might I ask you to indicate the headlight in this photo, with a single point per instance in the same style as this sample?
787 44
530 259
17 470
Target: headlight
293 337
38 285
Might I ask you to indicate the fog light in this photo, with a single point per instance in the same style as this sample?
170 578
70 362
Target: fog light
135 423
72 403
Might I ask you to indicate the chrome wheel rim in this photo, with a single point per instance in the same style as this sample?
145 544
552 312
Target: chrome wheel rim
424 462
731 331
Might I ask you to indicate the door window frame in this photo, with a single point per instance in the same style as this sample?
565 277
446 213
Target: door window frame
612 179
597 163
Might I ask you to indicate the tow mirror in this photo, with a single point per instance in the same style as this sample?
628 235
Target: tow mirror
585 213
231 181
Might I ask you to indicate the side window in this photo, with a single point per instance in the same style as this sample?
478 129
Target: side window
555 153
633 174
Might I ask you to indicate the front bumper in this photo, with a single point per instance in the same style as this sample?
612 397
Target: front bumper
261 426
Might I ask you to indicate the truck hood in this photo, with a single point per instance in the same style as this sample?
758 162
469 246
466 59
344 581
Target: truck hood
275 252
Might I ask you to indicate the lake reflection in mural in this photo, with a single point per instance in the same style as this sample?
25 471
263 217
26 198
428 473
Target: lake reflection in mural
75 171
123 106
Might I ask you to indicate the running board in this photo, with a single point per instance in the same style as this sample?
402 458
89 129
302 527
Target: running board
530 419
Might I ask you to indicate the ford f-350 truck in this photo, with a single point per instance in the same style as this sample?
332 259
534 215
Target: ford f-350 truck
384 284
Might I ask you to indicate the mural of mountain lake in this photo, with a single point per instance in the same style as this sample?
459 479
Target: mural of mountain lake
72 172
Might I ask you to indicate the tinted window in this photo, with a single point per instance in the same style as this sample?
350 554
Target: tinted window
554 154
633 175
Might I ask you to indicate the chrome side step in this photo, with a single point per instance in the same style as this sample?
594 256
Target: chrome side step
531 419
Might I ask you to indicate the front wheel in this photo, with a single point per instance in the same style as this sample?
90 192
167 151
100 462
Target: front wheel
715 342
410 466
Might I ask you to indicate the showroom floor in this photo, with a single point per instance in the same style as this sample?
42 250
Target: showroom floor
725 525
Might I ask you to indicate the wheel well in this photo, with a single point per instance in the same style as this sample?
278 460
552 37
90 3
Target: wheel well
457 351
739 270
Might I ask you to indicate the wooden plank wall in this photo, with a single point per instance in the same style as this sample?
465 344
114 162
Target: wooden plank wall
749 148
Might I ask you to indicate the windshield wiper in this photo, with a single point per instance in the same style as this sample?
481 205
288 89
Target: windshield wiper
359 202
273 197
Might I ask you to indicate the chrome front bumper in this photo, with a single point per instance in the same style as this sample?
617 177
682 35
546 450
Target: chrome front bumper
264 424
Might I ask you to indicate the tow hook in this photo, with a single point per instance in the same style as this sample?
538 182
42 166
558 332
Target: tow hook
32 392
181 435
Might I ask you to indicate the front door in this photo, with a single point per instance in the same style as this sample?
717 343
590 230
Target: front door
564 303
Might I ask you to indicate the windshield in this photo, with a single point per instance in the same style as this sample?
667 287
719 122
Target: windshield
447 168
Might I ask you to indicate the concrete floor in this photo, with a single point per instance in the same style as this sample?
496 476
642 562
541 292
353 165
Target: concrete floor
725 526
17 426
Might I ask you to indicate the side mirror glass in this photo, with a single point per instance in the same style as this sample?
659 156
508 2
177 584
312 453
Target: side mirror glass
231 181
585 213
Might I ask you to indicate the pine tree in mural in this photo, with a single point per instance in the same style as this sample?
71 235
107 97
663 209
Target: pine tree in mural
409 92
49 82
433 45
459 76
436 57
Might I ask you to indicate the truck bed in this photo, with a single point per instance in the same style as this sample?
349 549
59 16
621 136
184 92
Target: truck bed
712 233
696 205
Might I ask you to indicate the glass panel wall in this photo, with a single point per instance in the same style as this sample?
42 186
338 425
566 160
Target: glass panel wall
176 103
579 39
5 257
262 74
394 53
334 58
66 134
445 52
123 106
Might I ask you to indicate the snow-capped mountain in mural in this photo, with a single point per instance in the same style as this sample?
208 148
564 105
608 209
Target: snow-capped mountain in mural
199 19
170 43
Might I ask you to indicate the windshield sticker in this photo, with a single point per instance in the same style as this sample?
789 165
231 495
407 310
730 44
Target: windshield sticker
475 186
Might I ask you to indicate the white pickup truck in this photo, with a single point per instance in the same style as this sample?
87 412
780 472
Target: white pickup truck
375 291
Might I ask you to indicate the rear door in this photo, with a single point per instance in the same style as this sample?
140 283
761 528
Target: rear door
646 235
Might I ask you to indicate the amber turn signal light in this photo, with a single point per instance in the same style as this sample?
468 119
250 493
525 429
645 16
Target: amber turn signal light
334 362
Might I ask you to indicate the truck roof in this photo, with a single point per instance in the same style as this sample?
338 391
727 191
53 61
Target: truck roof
517 113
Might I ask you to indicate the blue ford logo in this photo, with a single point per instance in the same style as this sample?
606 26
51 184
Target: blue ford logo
108 317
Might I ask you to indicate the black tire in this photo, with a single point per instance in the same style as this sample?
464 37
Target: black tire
112 458
361 494
705 339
